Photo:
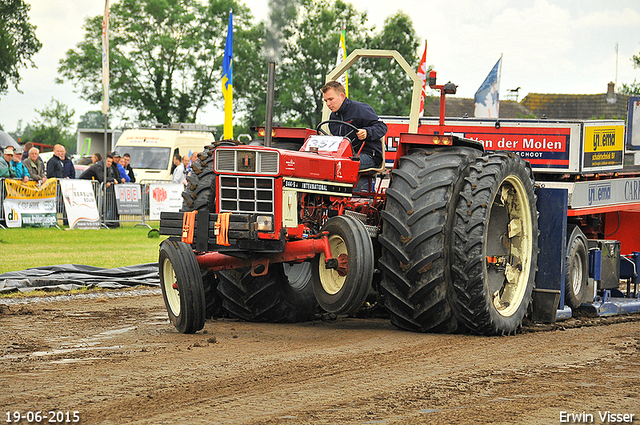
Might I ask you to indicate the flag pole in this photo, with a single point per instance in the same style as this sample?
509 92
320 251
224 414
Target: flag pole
227 81
105 103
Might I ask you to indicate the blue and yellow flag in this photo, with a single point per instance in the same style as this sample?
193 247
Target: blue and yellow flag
227 81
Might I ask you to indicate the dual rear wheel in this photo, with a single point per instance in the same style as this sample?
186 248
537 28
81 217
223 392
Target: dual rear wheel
459 242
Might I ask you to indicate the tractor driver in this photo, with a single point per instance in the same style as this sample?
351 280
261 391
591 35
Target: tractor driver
371 129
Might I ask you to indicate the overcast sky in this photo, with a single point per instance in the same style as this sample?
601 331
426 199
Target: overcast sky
548 46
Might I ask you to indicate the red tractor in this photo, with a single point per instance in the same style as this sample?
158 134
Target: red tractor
446 241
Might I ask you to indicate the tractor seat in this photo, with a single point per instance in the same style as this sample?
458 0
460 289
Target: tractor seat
369 172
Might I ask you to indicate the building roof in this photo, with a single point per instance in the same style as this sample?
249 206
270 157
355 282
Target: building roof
458 107
537 105
578 106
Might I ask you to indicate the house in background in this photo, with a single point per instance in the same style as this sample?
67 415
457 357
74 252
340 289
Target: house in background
544 105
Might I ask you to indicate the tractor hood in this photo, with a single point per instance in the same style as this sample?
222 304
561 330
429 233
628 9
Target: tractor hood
259 160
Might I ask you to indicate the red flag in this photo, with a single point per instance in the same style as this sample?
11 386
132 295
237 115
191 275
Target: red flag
422 74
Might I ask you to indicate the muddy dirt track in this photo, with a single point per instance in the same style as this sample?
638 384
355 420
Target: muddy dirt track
118 360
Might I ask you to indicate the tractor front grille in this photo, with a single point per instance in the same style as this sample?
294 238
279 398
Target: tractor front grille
245 194
246 161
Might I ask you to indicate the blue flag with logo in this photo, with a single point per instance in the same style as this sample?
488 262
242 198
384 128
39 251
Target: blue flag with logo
487 97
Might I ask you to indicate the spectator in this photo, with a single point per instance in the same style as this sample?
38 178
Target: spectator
16 163
35 166
126 159
60 166
124 176
116 167
5 164
187 165
179 175
96 172
194 158
95 158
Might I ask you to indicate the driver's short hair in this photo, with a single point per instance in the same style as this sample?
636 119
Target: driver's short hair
336 85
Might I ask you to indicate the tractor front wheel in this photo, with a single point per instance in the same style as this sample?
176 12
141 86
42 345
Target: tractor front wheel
182 288
344 288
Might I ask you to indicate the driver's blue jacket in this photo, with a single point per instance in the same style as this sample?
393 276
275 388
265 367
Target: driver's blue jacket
362 116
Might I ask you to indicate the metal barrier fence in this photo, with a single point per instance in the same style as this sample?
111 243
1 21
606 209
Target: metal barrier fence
109 214
107 206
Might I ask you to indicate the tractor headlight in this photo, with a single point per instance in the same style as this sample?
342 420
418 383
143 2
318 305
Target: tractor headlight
265 223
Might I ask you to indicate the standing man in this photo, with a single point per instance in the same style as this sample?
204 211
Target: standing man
179 174
35 166
117 162
60 166
368 139
96 172
126 159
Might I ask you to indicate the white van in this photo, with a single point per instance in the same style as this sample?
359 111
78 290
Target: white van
152 149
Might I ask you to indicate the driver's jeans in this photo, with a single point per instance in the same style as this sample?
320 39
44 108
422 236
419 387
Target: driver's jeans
366 161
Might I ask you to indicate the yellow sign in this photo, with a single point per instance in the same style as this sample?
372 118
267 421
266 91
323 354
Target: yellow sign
603 145
16 189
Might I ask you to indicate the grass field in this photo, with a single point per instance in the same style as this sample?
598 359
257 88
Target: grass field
34 247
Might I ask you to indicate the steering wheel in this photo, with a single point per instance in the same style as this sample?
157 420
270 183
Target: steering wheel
319 130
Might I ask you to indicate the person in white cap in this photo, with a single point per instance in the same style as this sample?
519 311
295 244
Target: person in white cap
6 170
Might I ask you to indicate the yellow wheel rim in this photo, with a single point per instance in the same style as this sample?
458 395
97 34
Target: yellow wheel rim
513 195
330 280
172 293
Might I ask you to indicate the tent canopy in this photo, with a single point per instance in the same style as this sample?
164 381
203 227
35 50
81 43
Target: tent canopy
6 140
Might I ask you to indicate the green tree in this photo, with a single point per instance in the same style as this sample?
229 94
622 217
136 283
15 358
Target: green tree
54 125
18 42
92 119
310 53
310 45
165 56
632 89
389 86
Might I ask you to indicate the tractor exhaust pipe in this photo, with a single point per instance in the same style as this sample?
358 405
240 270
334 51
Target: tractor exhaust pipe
271 78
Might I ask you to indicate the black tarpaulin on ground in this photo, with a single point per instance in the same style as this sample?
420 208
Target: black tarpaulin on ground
73 276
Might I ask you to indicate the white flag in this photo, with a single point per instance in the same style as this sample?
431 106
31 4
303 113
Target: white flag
342 55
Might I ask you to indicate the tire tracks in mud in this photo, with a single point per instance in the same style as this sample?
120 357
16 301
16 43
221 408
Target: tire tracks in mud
344 371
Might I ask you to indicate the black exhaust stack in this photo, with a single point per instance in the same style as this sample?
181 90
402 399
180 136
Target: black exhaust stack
271 78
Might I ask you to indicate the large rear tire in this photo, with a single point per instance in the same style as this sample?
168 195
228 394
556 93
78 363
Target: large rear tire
344 290
416 238
496 244
200 190
199 194
284 294
182 288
